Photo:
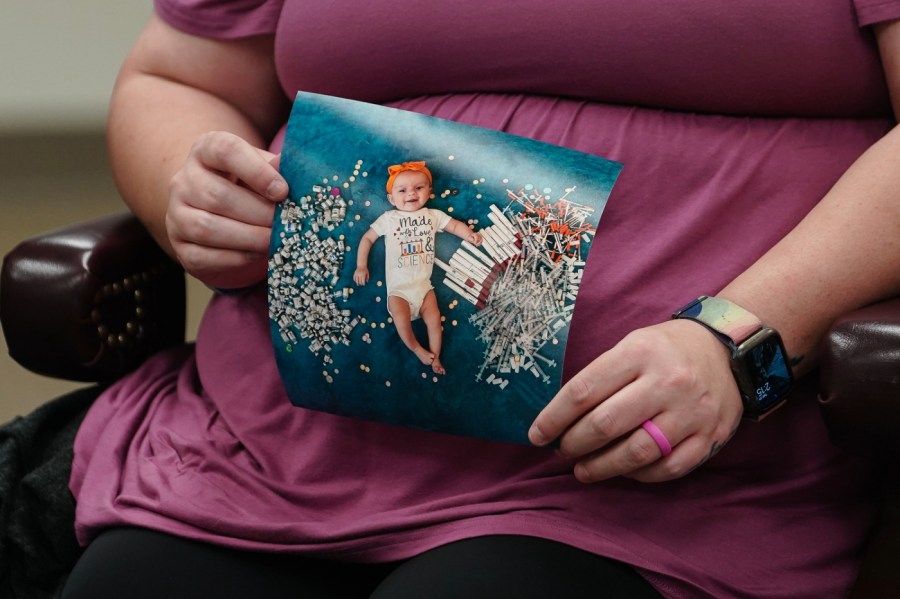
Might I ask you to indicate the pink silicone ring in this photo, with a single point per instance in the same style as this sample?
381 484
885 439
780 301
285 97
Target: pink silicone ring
664 446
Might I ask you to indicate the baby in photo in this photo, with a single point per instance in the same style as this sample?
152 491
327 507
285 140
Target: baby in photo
409 231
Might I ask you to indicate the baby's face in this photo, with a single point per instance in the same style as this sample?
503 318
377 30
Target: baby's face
410 192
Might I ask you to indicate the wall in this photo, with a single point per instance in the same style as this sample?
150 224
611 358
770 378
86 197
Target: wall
59 58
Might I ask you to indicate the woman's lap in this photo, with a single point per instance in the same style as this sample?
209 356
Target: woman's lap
512 566
141 563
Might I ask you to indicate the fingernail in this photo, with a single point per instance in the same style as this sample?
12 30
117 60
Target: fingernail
582 474
536 436
277 188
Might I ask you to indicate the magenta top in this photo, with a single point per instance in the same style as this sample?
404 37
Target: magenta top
731 124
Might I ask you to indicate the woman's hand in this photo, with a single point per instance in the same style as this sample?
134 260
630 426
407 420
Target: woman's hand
675 374
220 210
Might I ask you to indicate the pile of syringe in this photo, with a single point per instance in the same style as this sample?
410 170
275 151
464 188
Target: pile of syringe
553 229
471 271
524 284
304 272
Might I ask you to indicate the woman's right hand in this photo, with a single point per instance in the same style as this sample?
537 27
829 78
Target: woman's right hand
220 210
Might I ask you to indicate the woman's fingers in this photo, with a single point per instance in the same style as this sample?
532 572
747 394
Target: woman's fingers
674 374
580 395
639 450
231 155
192 226
221 205
224 269
212 193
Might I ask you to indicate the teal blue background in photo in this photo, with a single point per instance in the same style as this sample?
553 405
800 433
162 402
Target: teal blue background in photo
376 377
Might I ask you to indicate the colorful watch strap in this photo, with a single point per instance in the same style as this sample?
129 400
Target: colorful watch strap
722 317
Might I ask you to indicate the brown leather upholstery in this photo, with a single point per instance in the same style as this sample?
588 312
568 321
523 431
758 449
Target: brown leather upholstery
860 381
860 400
92 301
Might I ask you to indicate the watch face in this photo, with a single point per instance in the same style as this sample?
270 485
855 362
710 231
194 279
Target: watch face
765 372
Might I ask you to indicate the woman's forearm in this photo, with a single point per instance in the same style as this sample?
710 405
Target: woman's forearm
844 254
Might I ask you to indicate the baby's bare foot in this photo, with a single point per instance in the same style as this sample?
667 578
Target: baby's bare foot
437 367
425 356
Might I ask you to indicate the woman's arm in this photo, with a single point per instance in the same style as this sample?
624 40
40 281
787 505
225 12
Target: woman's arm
844 254
205 197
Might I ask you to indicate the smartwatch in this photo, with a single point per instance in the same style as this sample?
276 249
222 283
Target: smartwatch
758 359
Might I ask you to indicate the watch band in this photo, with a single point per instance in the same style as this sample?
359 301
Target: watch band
727 320
758 359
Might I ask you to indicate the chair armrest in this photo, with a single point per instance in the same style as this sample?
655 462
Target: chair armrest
860 381
92 301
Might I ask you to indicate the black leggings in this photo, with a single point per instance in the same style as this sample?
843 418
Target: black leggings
137 563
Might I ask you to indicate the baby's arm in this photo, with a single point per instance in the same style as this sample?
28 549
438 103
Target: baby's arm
459 229
361 274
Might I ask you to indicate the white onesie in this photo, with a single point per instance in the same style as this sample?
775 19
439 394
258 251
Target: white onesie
409 252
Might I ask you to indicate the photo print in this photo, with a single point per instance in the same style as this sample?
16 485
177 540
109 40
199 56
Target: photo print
424 272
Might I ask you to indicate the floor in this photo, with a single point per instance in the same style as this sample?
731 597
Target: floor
47 182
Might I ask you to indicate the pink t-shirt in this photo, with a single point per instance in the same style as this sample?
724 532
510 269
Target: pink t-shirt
731 123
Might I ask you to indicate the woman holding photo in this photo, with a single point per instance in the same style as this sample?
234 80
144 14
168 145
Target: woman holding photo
760 169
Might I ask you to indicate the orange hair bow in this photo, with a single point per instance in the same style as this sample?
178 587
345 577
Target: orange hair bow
396 169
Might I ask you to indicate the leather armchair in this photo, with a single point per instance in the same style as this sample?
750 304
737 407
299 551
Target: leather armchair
92 301
859 393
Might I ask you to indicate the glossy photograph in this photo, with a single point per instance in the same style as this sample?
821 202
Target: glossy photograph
424 272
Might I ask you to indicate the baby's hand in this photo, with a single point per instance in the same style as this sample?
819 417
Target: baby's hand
475 238
361 275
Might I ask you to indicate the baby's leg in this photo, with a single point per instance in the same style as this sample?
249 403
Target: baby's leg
431 314
401 315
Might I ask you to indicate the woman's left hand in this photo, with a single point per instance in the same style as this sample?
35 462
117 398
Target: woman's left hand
675 374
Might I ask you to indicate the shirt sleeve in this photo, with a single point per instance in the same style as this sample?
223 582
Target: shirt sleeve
221 19
442 219
869 12
381 224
